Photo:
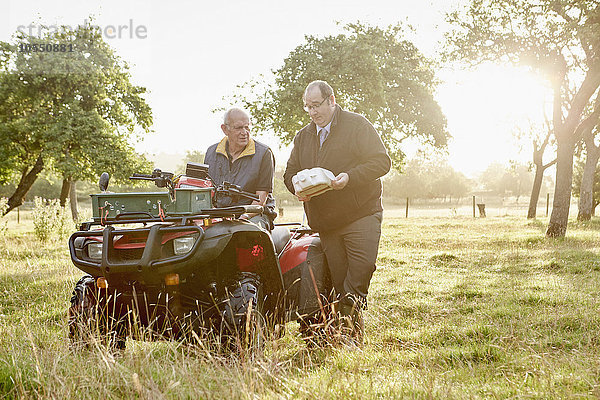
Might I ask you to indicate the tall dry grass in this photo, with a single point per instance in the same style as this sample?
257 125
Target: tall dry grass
458 308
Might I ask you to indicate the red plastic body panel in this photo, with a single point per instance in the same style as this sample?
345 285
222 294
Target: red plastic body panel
295 254
248 259
138 240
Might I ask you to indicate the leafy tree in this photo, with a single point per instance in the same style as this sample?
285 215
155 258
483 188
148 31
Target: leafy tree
74 112
46 186
558 39
583 164
588 173
541 137
427 177
196 156
373 71
282 195
539 147
512 180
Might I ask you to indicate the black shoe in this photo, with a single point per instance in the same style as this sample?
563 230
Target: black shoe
351 324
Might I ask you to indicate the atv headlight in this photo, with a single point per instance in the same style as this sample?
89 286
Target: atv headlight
183 245
95 251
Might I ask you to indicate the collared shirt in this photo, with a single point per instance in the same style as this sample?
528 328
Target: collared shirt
253 171
223 148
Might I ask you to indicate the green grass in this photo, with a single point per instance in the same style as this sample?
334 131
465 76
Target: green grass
458 308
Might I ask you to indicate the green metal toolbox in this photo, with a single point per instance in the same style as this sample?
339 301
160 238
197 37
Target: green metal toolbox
187 201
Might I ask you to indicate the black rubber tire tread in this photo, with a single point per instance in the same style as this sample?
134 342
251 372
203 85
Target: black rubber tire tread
239 296
82 312
247 290
86 323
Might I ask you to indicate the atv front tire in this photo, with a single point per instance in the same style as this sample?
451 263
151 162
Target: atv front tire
87 319
243 322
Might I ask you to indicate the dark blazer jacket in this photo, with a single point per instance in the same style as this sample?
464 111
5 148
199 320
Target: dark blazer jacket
352 146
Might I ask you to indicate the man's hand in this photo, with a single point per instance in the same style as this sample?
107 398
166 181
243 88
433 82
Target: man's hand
262 199
340 181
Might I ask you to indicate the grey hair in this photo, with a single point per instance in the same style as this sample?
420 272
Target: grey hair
233 110
324 87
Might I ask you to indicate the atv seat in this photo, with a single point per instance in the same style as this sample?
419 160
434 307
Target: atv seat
280 235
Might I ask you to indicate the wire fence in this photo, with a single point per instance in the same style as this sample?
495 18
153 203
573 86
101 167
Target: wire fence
393 208
419 208
472 206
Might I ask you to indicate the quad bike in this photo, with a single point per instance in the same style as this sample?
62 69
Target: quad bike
169 265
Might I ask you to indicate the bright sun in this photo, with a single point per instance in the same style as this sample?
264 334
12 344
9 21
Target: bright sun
484 108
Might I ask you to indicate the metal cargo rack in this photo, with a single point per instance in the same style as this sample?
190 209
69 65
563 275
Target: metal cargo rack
187 201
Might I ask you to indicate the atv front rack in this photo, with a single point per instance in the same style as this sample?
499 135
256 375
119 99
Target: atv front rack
146 218
151 250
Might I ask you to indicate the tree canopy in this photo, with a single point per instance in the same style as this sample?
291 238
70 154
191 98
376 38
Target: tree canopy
427 176
73 111
373 71
558 39
196 156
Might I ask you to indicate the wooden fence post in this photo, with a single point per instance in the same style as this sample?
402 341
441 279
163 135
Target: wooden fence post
407 207
18 215
547 203
473 206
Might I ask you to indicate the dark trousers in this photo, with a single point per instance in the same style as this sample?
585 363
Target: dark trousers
351 253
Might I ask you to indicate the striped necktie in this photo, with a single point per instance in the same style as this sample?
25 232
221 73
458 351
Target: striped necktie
322 136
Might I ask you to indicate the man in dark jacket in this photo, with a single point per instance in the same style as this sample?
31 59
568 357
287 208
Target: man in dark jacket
347 218
241 160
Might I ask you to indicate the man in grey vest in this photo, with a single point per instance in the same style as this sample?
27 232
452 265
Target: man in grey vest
347 218
245 162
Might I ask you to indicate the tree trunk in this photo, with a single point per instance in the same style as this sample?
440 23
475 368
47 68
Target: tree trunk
64 191
535 191
540 168
587 184
73 198
557 227
27 180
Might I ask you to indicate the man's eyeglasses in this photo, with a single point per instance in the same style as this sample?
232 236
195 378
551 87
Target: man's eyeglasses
308 108
240 128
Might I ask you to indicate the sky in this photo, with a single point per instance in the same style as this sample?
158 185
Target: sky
191 54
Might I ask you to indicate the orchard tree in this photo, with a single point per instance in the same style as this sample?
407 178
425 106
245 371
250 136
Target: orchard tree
588 172
514 179
195 156
539 147
581 163
74 112
559 40
427 176
541 137
373 71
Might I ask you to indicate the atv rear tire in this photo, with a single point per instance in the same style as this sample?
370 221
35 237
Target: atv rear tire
87 322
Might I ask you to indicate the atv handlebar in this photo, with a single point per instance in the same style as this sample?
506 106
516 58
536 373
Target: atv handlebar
165 179
160 178
234 191
141 176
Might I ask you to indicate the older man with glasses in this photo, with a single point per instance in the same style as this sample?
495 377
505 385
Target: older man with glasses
245 162
347 218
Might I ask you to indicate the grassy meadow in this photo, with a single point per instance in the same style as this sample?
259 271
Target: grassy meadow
458 308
